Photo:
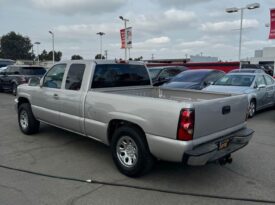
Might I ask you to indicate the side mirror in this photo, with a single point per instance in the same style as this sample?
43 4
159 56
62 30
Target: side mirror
261 86
34 81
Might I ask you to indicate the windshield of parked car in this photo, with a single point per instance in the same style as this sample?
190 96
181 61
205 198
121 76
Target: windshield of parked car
120 75
154 72
32 71
190 76
236 80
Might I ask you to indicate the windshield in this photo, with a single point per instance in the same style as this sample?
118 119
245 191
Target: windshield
190 76
33 71
154 72
236 80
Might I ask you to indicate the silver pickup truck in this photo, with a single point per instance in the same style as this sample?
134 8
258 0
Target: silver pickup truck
115 103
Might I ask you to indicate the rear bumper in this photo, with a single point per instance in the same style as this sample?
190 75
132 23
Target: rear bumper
196 155
210 152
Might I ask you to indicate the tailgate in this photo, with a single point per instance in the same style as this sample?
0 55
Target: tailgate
212 116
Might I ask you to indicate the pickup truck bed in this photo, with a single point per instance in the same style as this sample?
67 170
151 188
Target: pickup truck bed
170 94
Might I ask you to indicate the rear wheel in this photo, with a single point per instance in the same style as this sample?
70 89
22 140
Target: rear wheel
130 151
252 108
27 122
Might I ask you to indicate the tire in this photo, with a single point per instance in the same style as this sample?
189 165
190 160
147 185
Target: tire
14 89
26 120
130 151
252 108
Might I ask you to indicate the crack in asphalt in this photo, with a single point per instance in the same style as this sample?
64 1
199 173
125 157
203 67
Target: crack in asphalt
16 190
74 200
42 148
272 184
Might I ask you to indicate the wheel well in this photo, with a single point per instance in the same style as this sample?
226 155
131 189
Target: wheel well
115 124
254 99
22 100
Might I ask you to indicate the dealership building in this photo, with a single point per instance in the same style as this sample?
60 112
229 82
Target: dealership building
265 56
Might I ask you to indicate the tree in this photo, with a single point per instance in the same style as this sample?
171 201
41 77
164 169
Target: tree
139 58
76 57
15 46
45 56
99 56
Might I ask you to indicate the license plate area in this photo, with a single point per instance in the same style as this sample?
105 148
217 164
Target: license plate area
224 144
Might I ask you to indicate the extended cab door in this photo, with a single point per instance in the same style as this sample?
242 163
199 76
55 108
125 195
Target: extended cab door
72 98
46 100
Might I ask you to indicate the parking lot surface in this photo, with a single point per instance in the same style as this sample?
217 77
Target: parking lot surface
61 153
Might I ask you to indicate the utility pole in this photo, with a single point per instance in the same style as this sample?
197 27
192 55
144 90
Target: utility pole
100 35
37 44
53 44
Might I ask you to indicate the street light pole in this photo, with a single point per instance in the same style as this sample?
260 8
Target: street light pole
100 34
37 44
233 10
53 43
125 27
241 34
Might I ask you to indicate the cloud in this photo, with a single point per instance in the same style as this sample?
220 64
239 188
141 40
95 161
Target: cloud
70 7
225 26
152 43
169 20
180 3
86 30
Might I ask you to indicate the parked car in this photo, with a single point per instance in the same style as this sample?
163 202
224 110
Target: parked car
194 79
259 87
6 62
266 68
247 71
160 75
15 75
118 106
2 69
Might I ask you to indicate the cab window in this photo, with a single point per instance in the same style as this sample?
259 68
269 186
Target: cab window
54 77
75 76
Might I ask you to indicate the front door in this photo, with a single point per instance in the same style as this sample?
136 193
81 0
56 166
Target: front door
46 102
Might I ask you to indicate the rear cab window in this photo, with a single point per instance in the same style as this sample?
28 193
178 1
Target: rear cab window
120 75
75 77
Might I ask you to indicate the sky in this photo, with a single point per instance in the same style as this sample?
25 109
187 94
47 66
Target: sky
162 28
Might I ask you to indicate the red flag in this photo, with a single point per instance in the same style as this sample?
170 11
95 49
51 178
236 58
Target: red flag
272 24
123 38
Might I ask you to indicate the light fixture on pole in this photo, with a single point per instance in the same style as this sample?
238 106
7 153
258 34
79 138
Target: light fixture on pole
53 43
37 44
125 27
235 9
100 34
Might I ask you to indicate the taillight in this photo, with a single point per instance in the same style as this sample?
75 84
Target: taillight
186 125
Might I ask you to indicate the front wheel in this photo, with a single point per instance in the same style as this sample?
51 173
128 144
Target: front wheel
130 151
252 109
27 122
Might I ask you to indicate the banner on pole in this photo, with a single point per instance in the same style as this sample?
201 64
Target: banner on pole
126 38
123 38
272 24
129 37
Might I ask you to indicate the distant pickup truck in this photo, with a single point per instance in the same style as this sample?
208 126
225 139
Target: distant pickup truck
115 103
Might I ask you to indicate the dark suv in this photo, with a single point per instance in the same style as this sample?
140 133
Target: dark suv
15 75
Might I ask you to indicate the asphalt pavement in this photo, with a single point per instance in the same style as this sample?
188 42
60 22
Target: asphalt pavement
60 153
